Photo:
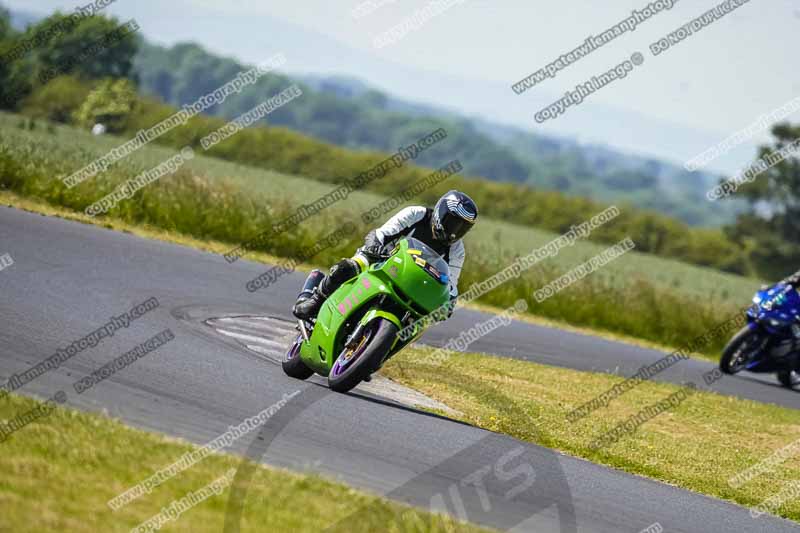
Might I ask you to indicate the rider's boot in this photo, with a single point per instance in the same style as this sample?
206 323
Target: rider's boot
307 308
340 272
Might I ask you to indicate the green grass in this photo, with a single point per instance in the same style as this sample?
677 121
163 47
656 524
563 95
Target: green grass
638 296
69 149
698 445
59 472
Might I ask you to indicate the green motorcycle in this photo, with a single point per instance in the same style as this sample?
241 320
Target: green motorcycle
356 329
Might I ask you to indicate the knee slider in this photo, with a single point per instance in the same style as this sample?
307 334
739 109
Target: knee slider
340 272
344 270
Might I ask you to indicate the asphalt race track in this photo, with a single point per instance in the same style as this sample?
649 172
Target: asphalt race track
69 279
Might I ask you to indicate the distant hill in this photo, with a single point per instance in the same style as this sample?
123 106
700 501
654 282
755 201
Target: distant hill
583 169
347 112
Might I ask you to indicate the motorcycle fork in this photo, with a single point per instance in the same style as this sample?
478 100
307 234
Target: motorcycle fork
301 324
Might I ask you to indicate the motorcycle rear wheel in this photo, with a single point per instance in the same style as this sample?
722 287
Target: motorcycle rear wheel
293 365
789 378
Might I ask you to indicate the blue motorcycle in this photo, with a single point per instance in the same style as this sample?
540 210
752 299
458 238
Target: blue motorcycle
770 342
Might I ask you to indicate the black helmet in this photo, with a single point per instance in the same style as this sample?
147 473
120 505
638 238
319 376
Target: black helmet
453 216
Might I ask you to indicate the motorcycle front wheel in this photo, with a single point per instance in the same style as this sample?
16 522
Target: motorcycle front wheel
363 356
740 350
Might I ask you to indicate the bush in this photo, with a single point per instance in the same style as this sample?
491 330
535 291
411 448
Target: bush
285 151
110 103
222 210
58 100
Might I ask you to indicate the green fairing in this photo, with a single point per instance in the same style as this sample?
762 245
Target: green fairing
400 278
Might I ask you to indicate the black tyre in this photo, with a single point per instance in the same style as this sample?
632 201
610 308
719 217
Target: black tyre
789 378
355 364
740 350
293 365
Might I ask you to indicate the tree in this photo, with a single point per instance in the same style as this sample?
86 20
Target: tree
86 48
110 103
6 30
773 218
14 74
58 100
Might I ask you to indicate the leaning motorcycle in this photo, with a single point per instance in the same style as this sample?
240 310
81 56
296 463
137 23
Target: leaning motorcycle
356 330
770 341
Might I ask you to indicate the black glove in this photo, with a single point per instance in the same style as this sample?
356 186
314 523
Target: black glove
373 248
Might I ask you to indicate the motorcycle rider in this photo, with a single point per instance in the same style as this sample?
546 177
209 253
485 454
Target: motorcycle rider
442 228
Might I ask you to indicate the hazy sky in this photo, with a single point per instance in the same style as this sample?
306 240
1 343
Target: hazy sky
717 81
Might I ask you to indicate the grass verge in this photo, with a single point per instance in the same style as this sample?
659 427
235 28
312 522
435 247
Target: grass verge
208 199
698 445
59 472
147 231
